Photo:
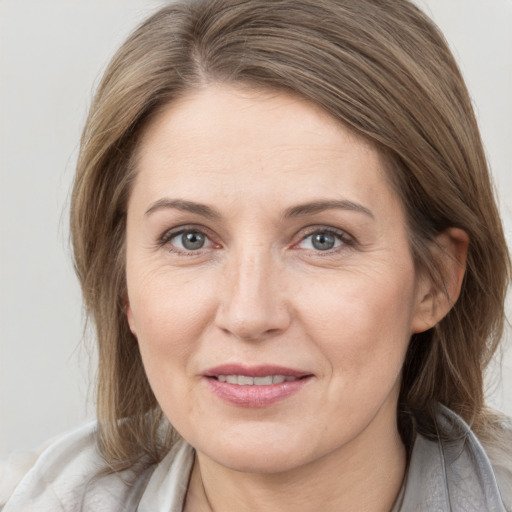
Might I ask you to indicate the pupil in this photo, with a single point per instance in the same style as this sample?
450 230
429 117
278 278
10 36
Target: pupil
323 242
192 241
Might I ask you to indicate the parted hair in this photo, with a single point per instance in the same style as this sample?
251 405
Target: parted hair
382 69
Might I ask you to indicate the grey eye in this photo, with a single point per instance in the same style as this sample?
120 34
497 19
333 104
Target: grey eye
190 240
323 241
193 240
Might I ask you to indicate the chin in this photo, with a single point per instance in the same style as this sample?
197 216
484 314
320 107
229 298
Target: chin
259 452
261 460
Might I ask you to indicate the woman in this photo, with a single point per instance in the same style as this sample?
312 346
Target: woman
285 233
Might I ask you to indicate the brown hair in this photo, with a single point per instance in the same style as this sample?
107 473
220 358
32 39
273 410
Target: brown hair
380 67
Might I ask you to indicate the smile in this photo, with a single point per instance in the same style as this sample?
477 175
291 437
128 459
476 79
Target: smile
255 386
244 380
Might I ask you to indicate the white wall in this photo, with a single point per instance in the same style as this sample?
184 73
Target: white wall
480 35
51 54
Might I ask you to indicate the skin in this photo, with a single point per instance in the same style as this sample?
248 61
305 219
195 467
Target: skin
259 292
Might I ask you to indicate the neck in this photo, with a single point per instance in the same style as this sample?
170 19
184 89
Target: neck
365 475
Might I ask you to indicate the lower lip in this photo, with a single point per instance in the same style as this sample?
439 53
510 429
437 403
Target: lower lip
255 396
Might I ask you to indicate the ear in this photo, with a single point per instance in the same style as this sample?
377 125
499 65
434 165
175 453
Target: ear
129 317
434 300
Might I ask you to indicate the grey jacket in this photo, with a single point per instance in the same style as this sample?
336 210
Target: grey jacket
443 476
452 476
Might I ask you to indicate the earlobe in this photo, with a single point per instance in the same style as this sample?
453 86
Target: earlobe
436 298
129 317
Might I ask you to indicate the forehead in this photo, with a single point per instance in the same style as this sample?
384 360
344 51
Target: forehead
271 117
230 140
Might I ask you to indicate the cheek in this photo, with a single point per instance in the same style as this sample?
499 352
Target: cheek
169 326
360 320
169 316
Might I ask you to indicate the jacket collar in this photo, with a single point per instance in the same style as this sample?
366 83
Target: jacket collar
451 473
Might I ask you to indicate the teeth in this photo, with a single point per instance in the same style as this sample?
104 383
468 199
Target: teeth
263 381
244 380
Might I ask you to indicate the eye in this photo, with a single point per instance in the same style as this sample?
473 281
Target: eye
323 240
188 240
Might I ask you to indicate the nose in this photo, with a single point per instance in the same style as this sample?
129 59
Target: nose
253 304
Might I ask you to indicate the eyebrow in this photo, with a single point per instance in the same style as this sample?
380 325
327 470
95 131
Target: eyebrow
320 206
295 211
185 206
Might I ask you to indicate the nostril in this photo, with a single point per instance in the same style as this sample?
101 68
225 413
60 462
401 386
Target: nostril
259 312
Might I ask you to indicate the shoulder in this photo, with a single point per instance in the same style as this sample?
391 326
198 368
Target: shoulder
13 469
499 451
454 470
69 473
491 456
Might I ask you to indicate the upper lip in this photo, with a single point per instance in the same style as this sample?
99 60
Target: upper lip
254 371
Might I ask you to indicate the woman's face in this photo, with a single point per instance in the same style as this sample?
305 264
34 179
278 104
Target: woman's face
270 282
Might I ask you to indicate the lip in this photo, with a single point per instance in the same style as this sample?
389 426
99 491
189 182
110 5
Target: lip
253 396
254 371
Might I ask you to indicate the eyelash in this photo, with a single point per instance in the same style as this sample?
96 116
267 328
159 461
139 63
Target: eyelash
170 234
347 241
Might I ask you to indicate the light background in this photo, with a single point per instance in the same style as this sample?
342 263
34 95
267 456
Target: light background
51 56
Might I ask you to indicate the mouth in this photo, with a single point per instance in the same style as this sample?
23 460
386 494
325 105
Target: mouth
261 375
246 380
255 387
